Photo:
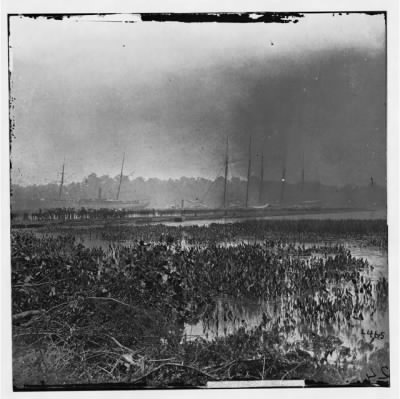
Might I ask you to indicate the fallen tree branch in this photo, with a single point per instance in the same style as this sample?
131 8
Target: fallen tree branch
30 322
39 284
27 313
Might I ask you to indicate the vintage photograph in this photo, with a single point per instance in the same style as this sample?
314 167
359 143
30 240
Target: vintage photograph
199 200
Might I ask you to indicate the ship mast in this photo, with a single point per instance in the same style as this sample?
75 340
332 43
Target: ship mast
226 171
302 174
62 180
260 193
248 175
120 177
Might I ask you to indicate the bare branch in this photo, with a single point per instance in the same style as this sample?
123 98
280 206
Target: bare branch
111 299
293 369
123 346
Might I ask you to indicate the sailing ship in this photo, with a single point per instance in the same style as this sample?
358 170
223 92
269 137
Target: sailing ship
102 203
113 204
282 202
236 204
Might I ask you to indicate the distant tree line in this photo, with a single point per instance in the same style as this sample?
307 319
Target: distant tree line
198 192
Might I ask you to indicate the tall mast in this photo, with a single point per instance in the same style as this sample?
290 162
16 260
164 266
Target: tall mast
120 177
248 175
302 174
226 171
283 181
62 180
318 184
260 193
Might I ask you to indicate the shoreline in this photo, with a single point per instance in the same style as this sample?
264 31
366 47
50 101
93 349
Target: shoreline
189 215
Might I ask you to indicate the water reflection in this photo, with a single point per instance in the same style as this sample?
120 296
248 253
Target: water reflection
334 215
360 335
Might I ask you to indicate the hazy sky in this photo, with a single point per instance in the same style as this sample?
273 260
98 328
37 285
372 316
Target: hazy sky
168 94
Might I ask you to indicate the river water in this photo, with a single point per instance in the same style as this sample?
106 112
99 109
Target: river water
362 215
365 338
